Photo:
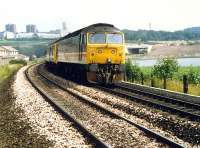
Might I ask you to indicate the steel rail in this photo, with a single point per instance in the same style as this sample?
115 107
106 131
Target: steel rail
129 87
169 107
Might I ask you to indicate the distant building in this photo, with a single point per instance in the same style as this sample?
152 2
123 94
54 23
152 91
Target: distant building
8 51
7 35
57 31
24 35
31 28
41 35
10 28
31 33
48 35
1 35
64 29
138 49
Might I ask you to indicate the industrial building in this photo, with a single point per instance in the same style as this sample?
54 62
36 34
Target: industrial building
31 28
10 28
31 32
138 49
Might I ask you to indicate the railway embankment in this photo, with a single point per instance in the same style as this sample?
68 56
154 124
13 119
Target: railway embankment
15 132
42 117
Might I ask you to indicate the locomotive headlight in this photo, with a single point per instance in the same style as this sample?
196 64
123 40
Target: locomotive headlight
113 51
109 60
99 51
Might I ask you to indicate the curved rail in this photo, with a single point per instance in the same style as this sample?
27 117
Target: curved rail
96 141
185 108
156 135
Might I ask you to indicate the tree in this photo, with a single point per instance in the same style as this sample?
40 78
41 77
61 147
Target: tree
165 69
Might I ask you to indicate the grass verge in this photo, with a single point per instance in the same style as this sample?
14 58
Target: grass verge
15 132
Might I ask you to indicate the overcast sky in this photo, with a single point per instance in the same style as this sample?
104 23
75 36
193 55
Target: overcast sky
167 15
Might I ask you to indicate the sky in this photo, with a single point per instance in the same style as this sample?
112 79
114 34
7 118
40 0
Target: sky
168 15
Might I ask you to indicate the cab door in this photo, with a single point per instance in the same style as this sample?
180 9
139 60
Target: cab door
55 53
82 47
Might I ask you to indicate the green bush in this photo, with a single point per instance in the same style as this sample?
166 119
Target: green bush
165 69
128 68
133 71
23 62
136 72
193 76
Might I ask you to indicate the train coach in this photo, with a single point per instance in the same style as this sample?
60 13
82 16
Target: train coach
94 54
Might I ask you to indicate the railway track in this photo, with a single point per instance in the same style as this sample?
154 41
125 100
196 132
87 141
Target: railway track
56 104
184 108
149 132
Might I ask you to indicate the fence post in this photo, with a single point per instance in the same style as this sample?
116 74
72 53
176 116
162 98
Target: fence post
124 76
165 83
185 84
132 80
142 78
152 81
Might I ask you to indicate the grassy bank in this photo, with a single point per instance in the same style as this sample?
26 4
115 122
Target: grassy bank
15 132
7 71
176 83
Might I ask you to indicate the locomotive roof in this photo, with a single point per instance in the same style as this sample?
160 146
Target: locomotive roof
99 27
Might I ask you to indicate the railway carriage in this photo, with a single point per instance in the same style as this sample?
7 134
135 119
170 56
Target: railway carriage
94 53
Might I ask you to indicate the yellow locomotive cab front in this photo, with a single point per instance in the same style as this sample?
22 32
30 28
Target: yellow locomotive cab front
102 51
105 56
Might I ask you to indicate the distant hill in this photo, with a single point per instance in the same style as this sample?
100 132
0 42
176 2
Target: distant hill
28 47
151 35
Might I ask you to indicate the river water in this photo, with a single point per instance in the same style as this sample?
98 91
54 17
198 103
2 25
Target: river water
181 62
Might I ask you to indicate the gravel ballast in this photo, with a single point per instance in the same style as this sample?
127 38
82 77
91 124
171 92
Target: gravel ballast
112 131
43 118
180 129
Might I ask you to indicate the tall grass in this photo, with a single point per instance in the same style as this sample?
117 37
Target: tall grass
7 70
176 83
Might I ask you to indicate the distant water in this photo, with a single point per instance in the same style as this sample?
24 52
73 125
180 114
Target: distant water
181 62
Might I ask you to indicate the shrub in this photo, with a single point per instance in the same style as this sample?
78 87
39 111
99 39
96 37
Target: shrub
136 72
23 62
133 71
128 69
165 69
193 76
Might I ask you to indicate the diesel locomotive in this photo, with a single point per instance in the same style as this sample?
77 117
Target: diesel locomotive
94 54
